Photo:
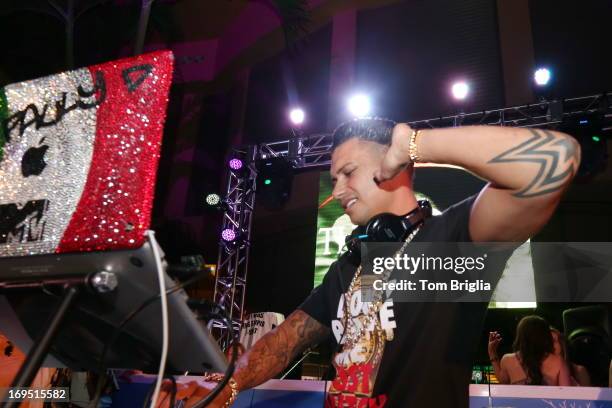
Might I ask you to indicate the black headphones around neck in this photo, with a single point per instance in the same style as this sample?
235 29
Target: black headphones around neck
386 227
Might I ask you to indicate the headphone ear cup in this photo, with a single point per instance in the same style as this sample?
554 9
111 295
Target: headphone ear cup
386 228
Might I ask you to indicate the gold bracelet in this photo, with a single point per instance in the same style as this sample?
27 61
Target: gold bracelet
216 377
412 147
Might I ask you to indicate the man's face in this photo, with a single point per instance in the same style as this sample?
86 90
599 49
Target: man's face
354 163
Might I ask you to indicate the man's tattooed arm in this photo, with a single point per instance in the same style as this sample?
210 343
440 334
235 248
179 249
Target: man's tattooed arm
527 171
557 159
274 351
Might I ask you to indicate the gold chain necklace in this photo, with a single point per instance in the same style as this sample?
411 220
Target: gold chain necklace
353 334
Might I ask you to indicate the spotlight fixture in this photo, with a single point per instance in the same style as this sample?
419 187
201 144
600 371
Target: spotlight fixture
233 239
235 164
359 105
542 76
228 235
297 116
213 199
460 90
215 203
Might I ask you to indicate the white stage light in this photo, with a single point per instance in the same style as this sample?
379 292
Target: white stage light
542 76
359 105
460 90
297 116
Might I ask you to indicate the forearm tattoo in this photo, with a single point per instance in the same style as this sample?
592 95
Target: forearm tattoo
273 352
558 158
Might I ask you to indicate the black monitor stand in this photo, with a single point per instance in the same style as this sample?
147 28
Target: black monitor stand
90 295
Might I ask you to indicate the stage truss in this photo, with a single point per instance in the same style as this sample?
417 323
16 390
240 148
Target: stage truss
314 151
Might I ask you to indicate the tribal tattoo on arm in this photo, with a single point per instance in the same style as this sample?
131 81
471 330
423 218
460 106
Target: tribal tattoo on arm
558 157
274 351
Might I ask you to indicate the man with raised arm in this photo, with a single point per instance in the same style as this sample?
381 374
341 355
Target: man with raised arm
412 354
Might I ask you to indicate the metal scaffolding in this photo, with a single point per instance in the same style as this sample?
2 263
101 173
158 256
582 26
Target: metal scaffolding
233 257
314 151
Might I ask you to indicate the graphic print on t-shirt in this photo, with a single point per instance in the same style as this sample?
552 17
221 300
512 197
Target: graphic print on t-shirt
358 361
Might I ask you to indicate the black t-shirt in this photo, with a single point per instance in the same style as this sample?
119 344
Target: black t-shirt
424 357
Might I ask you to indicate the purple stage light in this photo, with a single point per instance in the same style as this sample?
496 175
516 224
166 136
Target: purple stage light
228 235
235 164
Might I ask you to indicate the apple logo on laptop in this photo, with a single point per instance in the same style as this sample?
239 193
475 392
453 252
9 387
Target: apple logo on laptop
33 160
